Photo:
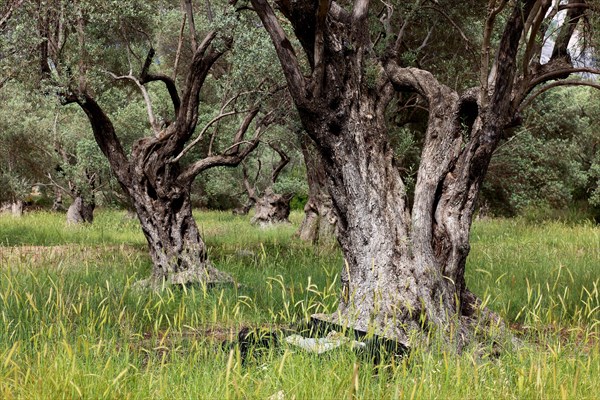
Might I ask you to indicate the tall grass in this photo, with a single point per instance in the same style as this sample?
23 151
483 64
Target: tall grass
72 325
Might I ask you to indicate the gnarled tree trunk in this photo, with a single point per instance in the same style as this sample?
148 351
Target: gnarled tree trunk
155 181
163 206
81 211
15 208
404 267
271 208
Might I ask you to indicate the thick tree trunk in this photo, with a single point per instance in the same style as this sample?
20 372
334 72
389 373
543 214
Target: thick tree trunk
163 206
318 225
81 211
271 208
152 176
179 255
404 268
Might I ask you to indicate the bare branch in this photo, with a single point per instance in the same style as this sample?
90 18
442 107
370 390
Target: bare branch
146 77
190 17
484 72
209 11
285 159
505 65
426 40
452 22
104 134
82 50
232 156
552 85
241 132
285 51
201 135
568 29
319 64
68 192
400 35
151 118
250 190
179 45
554 71
533 26
405 24
202 61
581 5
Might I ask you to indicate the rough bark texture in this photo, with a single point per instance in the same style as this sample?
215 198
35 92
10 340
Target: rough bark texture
15 208
318 225
163 206
404 267
271 208
81 211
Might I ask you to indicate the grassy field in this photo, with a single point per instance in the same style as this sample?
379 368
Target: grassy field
72 326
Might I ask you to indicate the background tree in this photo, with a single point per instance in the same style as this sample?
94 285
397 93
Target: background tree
405 258
548 163
86 52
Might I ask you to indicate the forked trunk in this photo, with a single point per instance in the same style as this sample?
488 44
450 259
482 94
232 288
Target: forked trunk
404 269
152 176
163 205
178 253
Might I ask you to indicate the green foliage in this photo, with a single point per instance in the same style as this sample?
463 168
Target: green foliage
25 124
291 184
552 161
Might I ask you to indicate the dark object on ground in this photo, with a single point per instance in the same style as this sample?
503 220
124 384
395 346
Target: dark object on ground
255 341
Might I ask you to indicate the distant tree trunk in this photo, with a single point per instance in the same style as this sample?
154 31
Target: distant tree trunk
318 225
272 208
15 208
81 211
57 204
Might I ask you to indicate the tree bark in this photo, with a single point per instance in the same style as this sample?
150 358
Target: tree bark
318 225
271 208
15 208
163 206
81 211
